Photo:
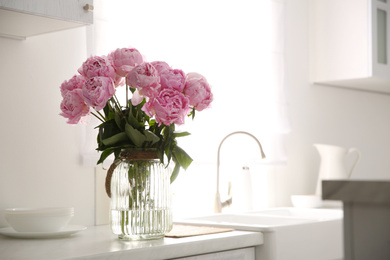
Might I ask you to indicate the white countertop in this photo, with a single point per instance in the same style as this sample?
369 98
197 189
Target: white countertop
98 242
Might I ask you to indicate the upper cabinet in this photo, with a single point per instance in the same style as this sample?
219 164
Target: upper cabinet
350 43
20 19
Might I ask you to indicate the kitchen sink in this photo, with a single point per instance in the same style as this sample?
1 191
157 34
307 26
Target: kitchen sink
265 220
289 233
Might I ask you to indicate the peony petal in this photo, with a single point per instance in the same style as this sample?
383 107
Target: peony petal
136 98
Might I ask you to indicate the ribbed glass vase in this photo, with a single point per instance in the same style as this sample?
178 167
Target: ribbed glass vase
140 198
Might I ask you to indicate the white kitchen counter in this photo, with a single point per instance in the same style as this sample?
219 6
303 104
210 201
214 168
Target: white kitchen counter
98 242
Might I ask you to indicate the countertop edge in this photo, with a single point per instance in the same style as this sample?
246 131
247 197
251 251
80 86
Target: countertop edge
192 246
98 242
357 191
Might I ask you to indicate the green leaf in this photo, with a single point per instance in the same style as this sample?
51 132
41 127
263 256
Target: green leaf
180 134
151 137
108 129
115 139
116 153
152 123
182 157
118 120
169 142
192 114
108 112
134 135
175 172
160 154
104 155
133 121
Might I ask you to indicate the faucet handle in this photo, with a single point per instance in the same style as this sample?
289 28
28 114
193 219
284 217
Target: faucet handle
227 202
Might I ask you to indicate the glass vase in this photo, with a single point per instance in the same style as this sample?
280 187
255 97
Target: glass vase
140 198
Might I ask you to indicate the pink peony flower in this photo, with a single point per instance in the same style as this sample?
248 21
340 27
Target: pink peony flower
73 106
160 66
170 106
100 67
136 99
198 91
97 91
76 82
148 108
173 78
125 59
119 81
145 78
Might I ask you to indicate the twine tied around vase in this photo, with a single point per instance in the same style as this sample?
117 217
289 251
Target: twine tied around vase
127 155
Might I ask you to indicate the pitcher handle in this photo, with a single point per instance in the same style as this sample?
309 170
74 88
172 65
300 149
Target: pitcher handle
358 155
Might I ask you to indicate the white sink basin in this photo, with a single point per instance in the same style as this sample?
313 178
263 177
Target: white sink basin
307 213
289 233
266 220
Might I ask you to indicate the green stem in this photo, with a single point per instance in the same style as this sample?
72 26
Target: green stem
123 221
104 118
117 105
114 100
127 95
98 116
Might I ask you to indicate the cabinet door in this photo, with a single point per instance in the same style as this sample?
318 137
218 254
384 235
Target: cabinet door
237 254
20 19
350 44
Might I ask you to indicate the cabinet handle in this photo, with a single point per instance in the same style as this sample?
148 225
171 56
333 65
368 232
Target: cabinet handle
88 7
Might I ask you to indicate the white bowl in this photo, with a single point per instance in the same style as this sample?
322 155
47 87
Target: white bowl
306 201
38 219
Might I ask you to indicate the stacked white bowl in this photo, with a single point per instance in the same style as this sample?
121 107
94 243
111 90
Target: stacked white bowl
39 219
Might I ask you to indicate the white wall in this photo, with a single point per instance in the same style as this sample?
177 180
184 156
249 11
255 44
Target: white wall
40 153
322 114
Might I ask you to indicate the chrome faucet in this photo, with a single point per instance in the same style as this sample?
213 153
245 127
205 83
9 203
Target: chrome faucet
218 205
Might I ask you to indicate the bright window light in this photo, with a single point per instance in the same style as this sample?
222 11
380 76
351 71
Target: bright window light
236 45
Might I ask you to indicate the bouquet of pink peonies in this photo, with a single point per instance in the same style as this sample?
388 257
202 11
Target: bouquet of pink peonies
160 98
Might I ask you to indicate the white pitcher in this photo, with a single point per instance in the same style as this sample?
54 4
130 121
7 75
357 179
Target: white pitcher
333 163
